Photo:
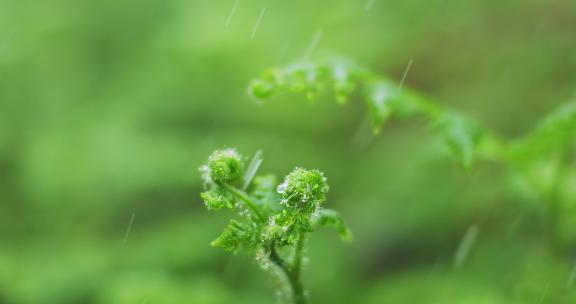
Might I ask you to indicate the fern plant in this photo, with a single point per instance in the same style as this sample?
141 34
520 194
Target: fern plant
541 161
274 219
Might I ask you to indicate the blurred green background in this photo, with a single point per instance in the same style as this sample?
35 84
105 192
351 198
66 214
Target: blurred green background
108 108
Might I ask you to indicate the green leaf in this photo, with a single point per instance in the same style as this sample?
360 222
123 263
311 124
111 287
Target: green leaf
237 236
271 82
331 218
284 228
384 98
262 89
217 199
344 85
461 135
379 95
410 104
264 192
305 79
553 133
563 119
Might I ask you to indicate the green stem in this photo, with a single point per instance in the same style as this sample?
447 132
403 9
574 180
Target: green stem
292 272
244 197
297 288
280 262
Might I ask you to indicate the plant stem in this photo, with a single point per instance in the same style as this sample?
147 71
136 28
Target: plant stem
292 272
297 288
244 197
280 262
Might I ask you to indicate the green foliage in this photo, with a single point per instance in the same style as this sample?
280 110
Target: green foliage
224 166
384 99
302 193
552 134
105 105
542 158
539 161
461 134
273 216
236 236
331 218
380 102
216 199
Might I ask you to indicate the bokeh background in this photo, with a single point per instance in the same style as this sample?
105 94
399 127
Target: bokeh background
108 108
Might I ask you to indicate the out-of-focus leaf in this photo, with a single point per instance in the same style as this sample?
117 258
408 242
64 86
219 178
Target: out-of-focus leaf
344 85
462 136
554 132
331 218
384 99
378 95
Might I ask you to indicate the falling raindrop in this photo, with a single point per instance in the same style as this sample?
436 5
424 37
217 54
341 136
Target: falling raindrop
314 43
369 5
129 228
545 293
257 23
252 169
232 13
465 246
571 277
405 74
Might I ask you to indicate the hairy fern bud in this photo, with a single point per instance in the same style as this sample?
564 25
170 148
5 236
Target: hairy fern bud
224 166
304 190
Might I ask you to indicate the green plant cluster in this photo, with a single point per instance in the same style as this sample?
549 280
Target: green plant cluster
384 99
272 216
547 148
278 216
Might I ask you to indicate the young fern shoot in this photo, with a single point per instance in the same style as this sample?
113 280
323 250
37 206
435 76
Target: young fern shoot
272 218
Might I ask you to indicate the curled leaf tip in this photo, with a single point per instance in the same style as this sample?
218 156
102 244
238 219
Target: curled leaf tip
224 166
304 189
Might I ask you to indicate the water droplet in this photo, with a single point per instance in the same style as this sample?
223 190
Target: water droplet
282 188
